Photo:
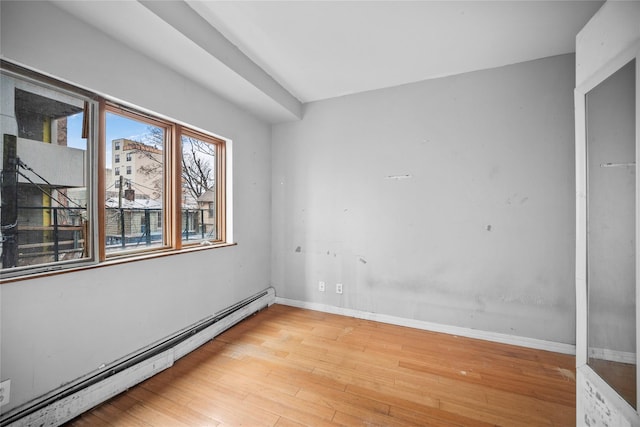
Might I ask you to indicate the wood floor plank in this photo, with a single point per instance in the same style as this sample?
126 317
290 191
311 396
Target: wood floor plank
181 413
290 410
395 396
427 415
302 378
114 416
339 400
287 366
372 419
90 419
286 422
232 414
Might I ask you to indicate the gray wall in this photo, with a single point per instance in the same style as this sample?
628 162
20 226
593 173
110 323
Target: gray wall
58 328
480 234
449 200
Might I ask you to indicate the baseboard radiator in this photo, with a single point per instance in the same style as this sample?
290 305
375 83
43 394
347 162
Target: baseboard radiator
72 400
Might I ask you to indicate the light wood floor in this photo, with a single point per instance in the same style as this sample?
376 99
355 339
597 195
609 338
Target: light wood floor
287 367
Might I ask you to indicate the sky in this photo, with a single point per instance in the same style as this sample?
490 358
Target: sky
117 127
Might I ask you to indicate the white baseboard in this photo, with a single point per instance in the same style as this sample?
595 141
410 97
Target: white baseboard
612 355
435 327
66 408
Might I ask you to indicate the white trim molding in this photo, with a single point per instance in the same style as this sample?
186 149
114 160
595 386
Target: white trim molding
435 327
612 355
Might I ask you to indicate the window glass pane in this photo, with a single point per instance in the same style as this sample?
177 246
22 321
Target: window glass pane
44 214
134 218
199 193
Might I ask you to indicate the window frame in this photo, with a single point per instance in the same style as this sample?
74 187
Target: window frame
220 207
97 108
47 84
167 156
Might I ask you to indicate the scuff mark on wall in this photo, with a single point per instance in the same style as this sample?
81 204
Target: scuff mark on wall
362 260
524 299
299 249
398 177
516 198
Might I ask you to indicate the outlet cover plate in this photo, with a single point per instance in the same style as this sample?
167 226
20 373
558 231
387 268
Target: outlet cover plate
338 288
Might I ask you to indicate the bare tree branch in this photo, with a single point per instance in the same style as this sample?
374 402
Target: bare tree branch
197 158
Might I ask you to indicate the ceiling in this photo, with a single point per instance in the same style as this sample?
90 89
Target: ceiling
320 50
271 57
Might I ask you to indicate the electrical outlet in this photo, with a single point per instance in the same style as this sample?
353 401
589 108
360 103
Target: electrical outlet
338 288
5 392
321 286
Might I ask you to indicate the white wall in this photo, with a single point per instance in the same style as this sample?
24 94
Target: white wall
58 328
448 201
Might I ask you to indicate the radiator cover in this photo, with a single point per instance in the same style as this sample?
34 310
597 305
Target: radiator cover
68 402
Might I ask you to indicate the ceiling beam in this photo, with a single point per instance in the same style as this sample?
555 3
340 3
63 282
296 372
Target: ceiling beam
187 21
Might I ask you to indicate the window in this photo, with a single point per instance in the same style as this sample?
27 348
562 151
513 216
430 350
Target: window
201 172
173 196
46 213
135 214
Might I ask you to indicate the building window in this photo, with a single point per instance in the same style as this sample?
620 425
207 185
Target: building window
48 218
